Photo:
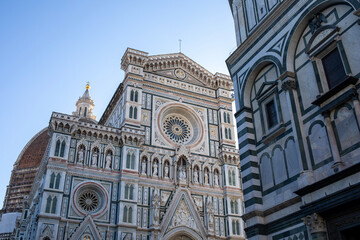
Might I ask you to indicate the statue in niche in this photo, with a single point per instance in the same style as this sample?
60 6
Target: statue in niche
156 207
166 171
216 179
143 166
182 168
155 169
196 176
81 156
206 177
94 159
108 161
182 174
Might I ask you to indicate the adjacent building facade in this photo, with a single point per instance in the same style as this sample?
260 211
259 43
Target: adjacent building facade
161 163
296 81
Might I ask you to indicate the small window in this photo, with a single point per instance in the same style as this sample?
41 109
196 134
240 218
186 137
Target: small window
132 95
57 148
57 182
128 160
132 161
62 149
334 68
52 180
271 114
85 112
131 112
135 112
136 96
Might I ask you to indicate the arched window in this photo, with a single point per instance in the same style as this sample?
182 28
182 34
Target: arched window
228 118
85 112
226 133
229 133
57 148
52 180
233 227
57 182
130 215
62 149
237 228
233 178
125 213
127 191
53 205
132 95
131 112
136 96
135 112
230 179
131 193
236 207
132 161
128 160
79 111
232 206
224 117
48 204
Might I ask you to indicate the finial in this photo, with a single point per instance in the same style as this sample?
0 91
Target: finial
87 86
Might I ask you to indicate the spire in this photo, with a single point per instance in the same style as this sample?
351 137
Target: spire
85 105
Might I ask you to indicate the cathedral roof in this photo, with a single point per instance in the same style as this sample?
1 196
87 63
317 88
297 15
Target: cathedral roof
33 152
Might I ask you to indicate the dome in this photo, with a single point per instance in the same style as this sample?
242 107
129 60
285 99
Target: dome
34 151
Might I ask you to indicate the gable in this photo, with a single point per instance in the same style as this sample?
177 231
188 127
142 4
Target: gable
88 228
182 214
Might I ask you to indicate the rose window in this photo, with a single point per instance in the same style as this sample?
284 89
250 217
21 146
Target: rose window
88 200
177 129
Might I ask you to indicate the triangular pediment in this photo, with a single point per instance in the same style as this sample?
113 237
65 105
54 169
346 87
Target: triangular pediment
182 214
87 227
264 88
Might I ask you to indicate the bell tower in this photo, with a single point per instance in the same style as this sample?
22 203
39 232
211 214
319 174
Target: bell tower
85 105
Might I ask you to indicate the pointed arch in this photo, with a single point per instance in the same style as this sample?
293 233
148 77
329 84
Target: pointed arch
53 205
136 96
62 148
48 204
128 160
131 112
135 112
52 180
57 182
132 161
57 148
125 213
130 215
132 95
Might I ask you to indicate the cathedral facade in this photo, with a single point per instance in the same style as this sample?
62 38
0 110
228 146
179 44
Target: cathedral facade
161 162
296 80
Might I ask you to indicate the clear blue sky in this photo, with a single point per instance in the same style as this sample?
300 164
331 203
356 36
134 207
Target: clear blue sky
50 49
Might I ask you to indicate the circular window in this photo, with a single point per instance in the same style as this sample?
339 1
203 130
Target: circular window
89 200
177 128
180 125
